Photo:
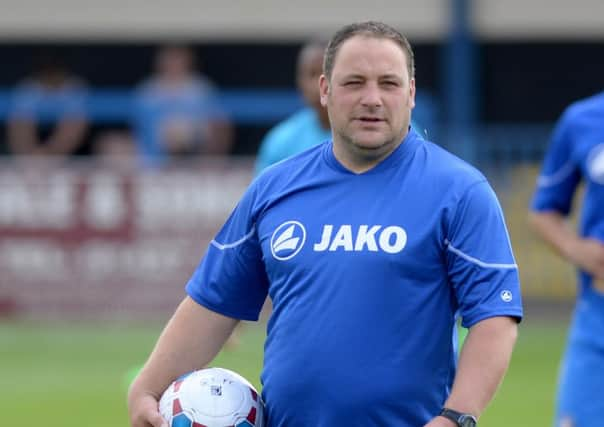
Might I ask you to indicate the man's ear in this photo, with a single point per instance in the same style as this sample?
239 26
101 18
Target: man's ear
412 93
323 89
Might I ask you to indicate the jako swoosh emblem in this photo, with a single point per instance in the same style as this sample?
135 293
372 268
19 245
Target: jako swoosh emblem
286 244
286 240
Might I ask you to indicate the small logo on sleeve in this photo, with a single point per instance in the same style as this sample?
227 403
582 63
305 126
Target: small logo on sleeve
506 295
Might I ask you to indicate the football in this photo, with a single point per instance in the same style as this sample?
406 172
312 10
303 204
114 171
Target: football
212 397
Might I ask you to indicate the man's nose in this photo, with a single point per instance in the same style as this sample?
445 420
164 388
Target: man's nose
371 96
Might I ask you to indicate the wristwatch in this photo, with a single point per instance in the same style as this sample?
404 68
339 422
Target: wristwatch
460 419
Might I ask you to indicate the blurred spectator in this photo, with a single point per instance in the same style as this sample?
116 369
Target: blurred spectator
176 114
48 114
307 127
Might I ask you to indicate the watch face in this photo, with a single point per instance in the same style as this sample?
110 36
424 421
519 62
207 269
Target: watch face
467 421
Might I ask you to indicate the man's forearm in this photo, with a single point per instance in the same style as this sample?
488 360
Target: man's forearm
586 253
483 362
554 230
190 341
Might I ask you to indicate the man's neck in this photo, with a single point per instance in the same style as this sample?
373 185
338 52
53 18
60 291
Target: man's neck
359 161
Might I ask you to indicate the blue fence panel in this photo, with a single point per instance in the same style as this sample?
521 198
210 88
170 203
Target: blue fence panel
257 106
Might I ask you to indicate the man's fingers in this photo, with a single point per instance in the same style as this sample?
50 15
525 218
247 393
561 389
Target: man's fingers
147 414
157 420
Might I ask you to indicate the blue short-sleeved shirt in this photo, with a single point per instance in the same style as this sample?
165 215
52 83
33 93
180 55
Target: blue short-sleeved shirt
366 273
576 154
159 107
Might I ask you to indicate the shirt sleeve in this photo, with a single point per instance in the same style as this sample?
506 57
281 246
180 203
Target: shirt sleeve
480 263
560 174
231 278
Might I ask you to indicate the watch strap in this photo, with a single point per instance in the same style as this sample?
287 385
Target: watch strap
456 416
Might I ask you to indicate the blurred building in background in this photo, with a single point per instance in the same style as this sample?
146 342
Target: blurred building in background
99 237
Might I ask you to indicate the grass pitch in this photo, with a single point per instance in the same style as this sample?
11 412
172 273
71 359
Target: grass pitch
73 375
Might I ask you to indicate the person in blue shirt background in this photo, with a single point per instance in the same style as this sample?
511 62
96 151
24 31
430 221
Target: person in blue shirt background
48 115
370 247
307 127
575 155
176 112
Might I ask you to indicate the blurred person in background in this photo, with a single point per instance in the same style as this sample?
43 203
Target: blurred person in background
575 155
48 113
176 113
307 127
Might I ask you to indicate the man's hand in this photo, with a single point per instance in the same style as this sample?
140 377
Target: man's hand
588 255
144 412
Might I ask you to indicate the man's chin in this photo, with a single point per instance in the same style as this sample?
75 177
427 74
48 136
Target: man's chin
373 150
370 146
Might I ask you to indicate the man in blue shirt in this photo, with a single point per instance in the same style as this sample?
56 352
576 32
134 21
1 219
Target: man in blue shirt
576 154
370 246
307 127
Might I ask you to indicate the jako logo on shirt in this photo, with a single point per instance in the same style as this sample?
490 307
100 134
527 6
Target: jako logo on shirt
391 239
287 240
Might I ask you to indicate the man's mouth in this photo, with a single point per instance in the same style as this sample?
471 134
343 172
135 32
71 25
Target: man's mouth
368 119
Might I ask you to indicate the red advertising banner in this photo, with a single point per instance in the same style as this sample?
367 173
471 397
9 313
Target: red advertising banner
89 239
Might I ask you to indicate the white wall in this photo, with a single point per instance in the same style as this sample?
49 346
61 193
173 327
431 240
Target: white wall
269 19
208 19
557 19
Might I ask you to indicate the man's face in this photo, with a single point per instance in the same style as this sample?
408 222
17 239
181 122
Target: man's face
174 62
369 96
310 67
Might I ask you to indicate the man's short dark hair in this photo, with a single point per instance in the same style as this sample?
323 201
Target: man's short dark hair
369 29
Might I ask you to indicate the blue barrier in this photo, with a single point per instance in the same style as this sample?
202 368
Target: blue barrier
253 106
